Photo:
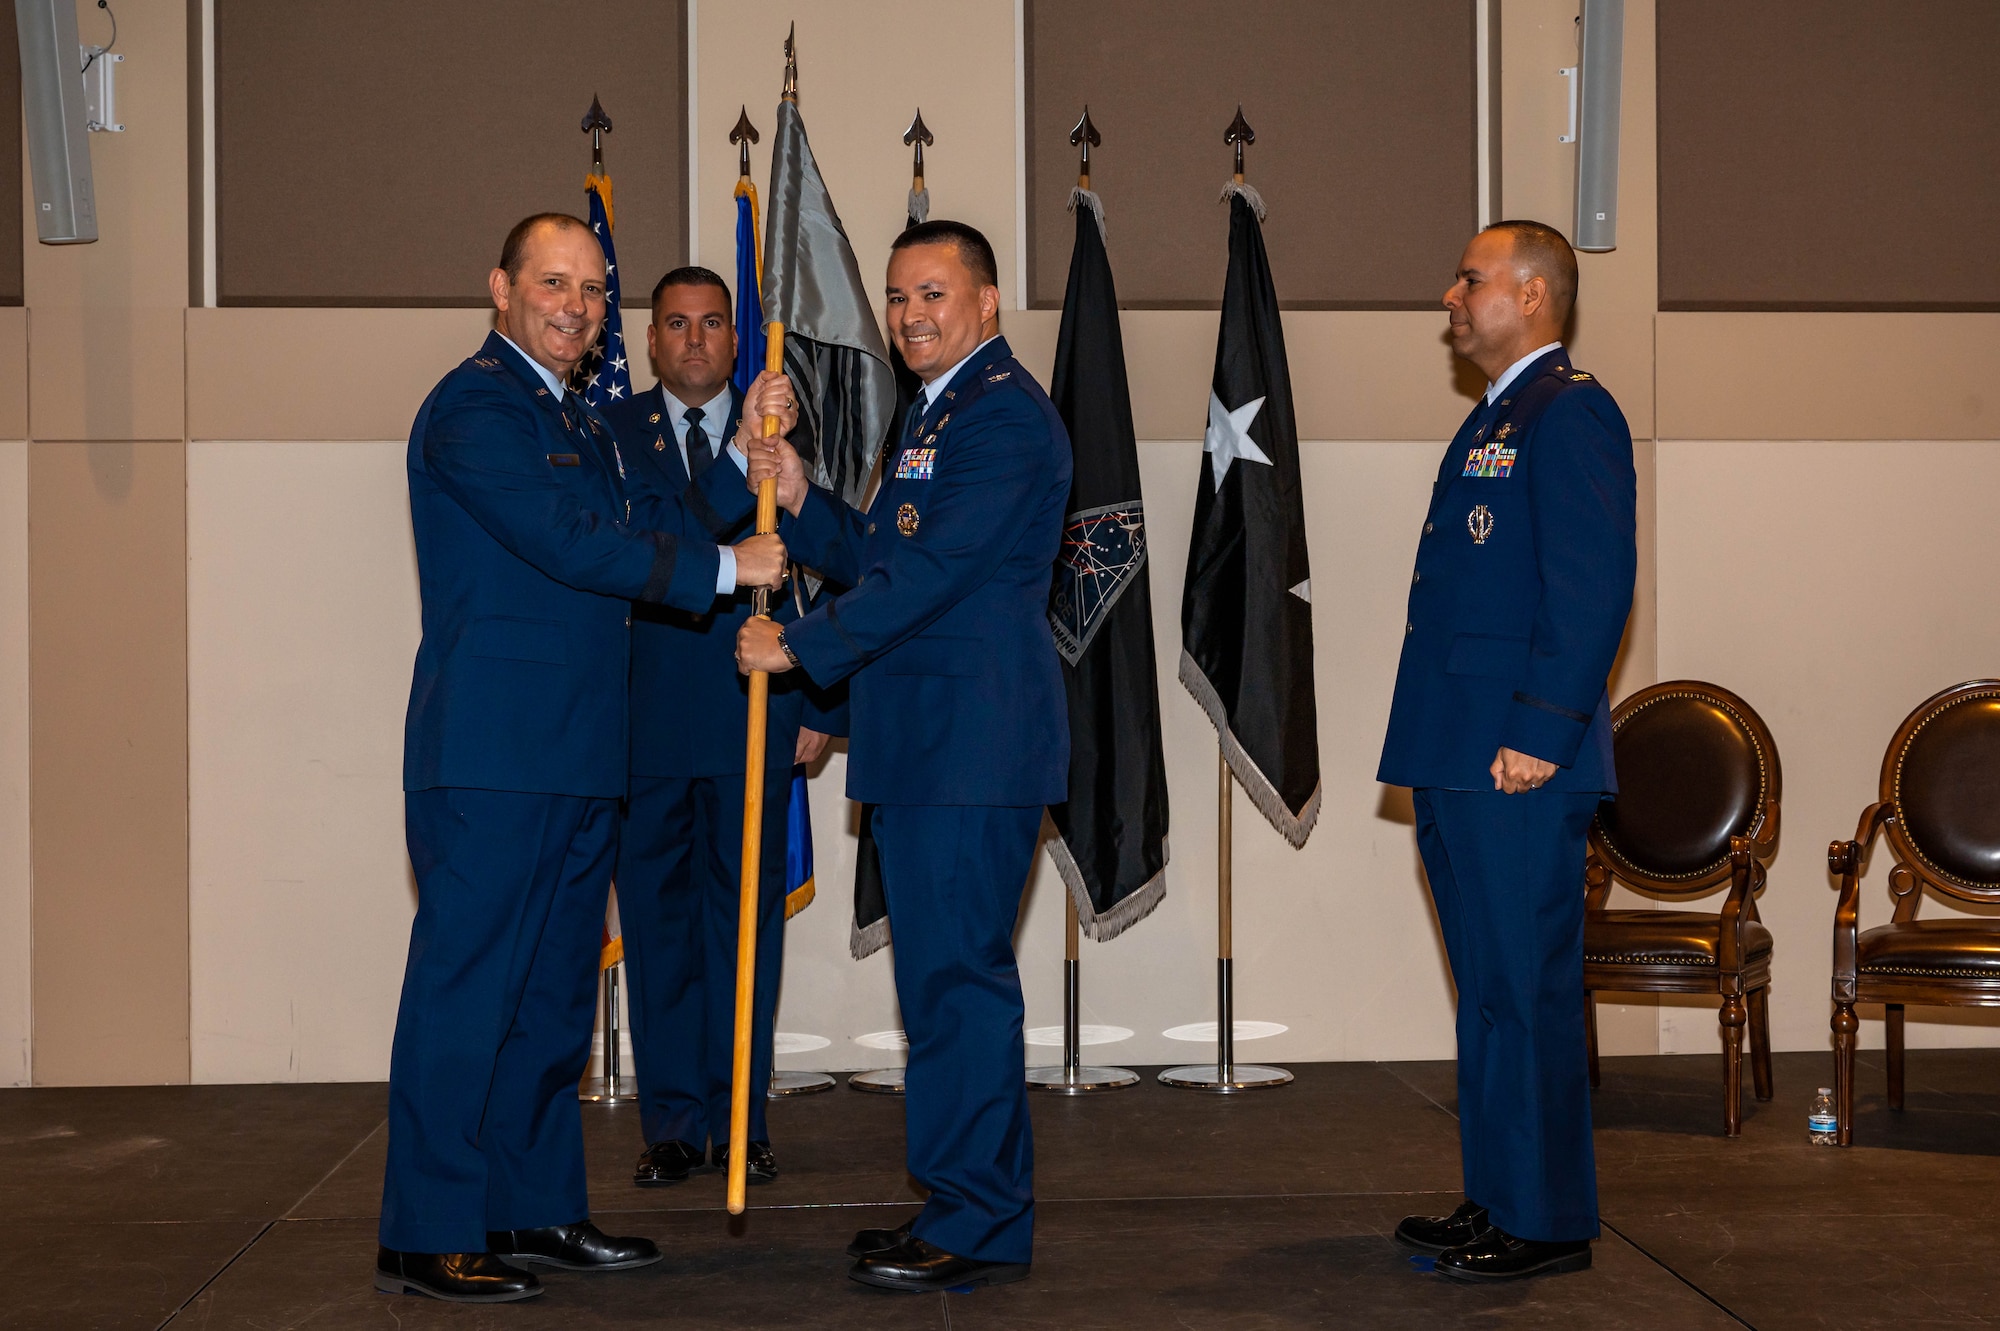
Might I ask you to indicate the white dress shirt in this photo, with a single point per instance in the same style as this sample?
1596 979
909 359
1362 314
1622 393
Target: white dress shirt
1499 386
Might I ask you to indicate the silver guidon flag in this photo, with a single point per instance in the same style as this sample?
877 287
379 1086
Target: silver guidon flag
834 350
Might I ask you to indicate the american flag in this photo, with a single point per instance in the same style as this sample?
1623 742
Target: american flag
604 373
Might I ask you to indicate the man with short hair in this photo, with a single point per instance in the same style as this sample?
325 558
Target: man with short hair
958 730
1501 724
680 853
513 765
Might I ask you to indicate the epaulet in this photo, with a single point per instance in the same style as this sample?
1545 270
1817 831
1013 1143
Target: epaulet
1569 374
490 364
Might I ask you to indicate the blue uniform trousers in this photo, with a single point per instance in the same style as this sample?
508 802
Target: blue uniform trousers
680 866
953 876
499 1001
1506 873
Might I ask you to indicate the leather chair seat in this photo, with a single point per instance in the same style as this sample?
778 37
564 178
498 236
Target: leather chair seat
1662 938
1966 949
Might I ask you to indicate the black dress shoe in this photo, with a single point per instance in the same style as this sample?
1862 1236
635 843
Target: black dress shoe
1498 1255
759 1165
879 1240
579 1247
1435 1233
666 1162
922 1267
455 1277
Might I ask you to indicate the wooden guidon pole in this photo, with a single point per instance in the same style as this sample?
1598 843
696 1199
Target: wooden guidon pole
753 842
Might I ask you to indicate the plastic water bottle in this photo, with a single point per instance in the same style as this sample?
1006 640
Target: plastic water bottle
1821 1122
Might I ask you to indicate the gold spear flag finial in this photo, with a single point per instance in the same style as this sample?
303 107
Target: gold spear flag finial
918 136
791 64
1239 133
597 125
743 135
1083 138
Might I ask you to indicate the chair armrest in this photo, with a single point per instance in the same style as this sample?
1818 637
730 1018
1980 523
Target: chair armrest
1739 908
1767 836
1845 860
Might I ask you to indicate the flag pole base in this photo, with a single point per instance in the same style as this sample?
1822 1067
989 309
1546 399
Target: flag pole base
1063 1079
882 1081
1212 1077
608 1090
784 1085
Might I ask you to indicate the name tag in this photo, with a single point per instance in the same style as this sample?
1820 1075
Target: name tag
916 464
565 460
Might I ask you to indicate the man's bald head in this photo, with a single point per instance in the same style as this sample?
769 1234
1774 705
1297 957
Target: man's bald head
1540 251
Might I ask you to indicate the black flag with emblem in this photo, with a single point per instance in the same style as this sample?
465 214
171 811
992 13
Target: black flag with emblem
1111 843
1246 614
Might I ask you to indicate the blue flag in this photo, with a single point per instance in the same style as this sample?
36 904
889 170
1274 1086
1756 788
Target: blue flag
749 290
606 377
798 847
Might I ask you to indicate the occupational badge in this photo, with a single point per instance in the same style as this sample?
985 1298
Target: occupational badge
906 519
653 419
1479 522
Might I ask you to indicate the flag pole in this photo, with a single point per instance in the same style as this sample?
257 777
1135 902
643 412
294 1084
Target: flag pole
1072 1077
1227 1075
753 835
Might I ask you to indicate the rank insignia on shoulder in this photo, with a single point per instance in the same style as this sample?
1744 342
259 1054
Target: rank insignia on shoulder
653 419
1480 523
486 362
996 378
906 519
1579 377
565 460
917 464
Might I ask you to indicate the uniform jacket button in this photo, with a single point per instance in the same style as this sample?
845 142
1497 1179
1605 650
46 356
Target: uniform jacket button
1427 529
871 529
1409 628
1416 578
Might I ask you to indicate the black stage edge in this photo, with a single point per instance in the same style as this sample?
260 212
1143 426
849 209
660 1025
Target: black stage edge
254 1207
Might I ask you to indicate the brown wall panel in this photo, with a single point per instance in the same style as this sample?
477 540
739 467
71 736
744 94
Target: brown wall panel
107 752
11 164
1366 147
1829 155
374 152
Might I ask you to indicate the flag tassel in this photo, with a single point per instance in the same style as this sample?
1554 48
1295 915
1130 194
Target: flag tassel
1294 827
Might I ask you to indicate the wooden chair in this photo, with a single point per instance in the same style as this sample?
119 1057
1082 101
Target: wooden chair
1697 807
1939 809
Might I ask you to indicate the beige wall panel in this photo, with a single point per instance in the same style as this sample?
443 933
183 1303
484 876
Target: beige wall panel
857 93
1825 582
320 374
303 622
13 373
108 761
1829 376
106 354
16 902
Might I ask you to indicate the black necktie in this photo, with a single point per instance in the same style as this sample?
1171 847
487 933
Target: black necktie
699 455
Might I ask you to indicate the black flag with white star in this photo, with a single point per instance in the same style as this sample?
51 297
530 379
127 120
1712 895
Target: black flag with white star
1246 614
1111 844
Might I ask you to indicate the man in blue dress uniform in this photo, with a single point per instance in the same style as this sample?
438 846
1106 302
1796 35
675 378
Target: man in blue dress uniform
1501 723
958 730
680 854
532 540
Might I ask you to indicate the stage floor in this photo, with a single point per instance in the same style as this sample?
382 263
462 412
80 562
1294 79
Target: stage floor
254 1207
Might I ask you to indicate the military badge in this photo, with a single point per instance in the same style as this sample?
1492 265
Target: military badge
1579 377
1480 523
659 443
653 419
916 464
997 378
541 392
906 519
